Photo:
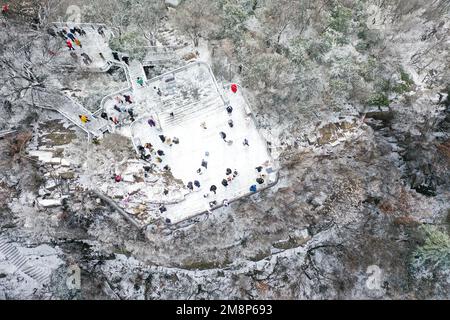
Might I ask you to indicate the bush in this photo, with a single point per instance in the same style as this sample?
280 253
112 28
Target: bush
435 250
316 49
379 100
340 19
405 84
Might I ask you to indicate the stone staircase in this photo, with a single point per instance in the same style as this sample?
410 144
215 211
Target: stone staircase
159 55
193 110
168 37
71 110
136 70
20 262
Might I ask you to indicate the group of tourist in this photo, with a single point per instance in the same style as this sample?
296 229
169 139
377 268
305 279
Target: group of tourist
71 36
148 153
122 111
230 174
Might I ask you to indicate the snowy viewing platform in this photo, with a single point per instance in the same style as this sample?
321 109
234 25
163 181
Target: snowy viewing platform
188 115
197 143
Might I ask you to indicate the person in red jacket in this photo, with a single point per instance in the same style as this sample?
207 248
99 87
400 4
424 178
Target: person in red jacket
5 9
69 44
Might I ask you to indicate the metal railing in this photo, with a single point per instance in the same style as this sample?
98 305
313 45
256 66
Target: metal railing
119 92
67 116
190 65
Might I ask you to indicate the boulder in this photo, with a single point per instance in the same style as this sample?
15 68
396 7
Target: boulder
49 203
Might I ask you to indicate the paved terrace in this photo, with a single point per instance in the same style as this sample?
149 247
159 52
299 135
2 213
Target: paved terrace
192 95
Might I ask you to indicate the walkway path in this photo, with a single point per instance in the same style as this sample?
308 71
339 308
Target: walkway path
71 110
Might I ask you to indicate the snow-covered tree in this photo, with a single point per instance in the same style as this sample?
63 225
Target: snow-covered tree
194 18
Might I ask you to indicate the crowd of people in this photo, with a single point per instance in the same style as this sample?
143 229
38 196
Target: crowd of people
72 37
149 153
230 174
122 111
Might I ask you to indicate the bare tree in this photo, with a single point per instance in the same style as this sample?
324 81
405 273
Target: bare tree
27 62
47 11
115 13
148 15
194 18
277 16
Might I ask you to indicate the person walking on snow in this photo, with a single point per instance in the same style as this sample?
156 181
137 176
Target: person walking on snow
86 57
151 122
230 123
69 44
78 42
245 143
5 9
140 81
71 36
127 98
74 56
229 110
100 31
225 183
213 189
84 118
223 135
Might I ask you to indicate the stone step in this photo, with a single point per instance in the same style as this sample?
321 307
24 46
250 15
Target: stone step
197 106
197 114
20 262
